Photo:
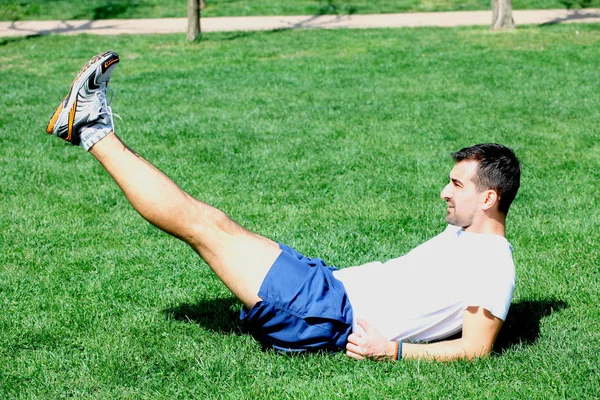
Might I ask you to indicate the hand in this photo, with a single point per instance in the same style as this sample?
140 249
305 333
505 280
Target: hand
370 344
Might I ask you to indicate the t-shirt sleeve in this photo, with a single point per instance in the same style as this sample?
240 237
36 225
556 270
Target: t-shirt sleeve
491 281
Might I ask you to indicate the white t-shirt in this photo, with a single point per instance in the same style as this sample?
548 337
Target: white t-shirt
421 296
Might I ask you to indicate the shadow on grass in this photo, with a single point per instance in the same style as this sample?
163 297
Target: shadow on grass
109 10
522 325
113 9
330 7
8 40
218 315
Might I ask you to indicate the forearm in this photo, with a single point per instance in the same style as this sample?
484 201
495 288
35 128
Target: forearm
448 350
479 332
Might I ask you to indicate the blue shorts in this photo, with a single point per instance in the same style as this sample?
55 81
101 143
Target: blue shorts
304 307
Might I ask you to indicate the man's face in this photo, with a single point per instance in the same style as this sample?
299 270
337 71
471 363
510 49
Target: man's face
461 195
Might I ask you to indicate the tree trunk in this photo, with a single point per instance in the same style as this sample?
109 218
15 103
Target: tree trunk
193 30
502 18
202 4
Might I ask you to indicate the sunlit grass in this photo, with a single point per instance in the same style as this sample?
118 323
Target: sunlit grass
335 142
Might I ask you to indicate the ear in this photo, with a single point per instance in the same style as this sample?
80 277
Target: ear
490 199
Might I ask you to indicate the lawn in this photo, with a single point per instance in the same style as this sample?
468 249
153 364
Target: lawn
106 9
334 142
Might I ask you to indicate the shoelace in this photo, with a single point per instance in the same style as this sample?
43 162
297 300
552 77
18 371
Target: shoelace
105 108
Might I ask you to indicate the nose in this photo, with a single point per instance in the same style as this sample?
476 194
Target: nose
446 192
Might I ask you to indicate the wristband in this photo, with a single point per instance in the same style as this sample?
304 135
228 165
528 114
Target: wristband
398 350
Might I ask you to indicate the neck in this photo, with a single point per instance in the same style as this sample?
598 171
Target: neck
493 223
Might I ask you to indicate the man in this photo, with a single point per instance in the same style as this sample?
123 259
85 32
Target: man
461 280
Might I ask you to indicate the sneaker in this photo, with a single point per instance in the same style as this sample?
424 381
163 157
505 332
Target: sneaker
85 105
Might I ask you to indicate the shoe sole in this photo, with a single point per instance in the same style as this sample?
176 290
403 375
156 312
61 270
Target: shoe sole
106 60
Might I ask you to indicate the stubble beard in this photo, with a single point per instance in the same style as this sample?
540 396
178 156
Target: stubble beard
453 219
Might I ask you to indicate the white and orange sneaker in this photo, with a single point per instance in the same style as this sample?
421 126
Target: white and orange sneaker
84 116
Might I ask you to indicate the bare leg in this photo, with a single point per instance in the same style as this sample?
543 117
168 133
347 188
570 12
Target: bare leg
241 259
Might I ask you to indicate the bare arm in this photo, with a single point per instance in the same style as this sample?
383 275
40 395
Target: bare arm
480 329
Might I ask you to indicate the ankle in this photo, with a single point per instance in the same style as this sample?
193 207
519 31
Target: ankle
100 142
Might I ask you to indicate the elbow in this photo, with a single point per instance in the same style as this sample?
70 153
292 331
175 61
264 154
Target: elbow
481 353
474 350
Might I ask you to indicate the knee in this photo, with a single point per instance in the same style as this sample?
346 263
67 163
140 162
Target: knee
209 222
221 222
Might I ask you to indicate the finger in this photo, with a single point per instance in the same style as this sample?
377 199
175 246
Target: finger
354 355
356 339
356 349
364 324
356 335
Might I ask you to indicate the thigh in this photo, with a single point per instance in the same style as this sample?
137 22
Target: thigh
240 258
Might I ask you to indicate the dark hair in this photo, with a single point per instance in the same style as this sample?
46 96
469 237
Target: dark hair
499 169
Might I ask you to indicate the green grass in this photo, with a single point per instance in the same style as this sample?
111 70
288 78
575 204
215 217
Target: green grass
334 142
106 9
